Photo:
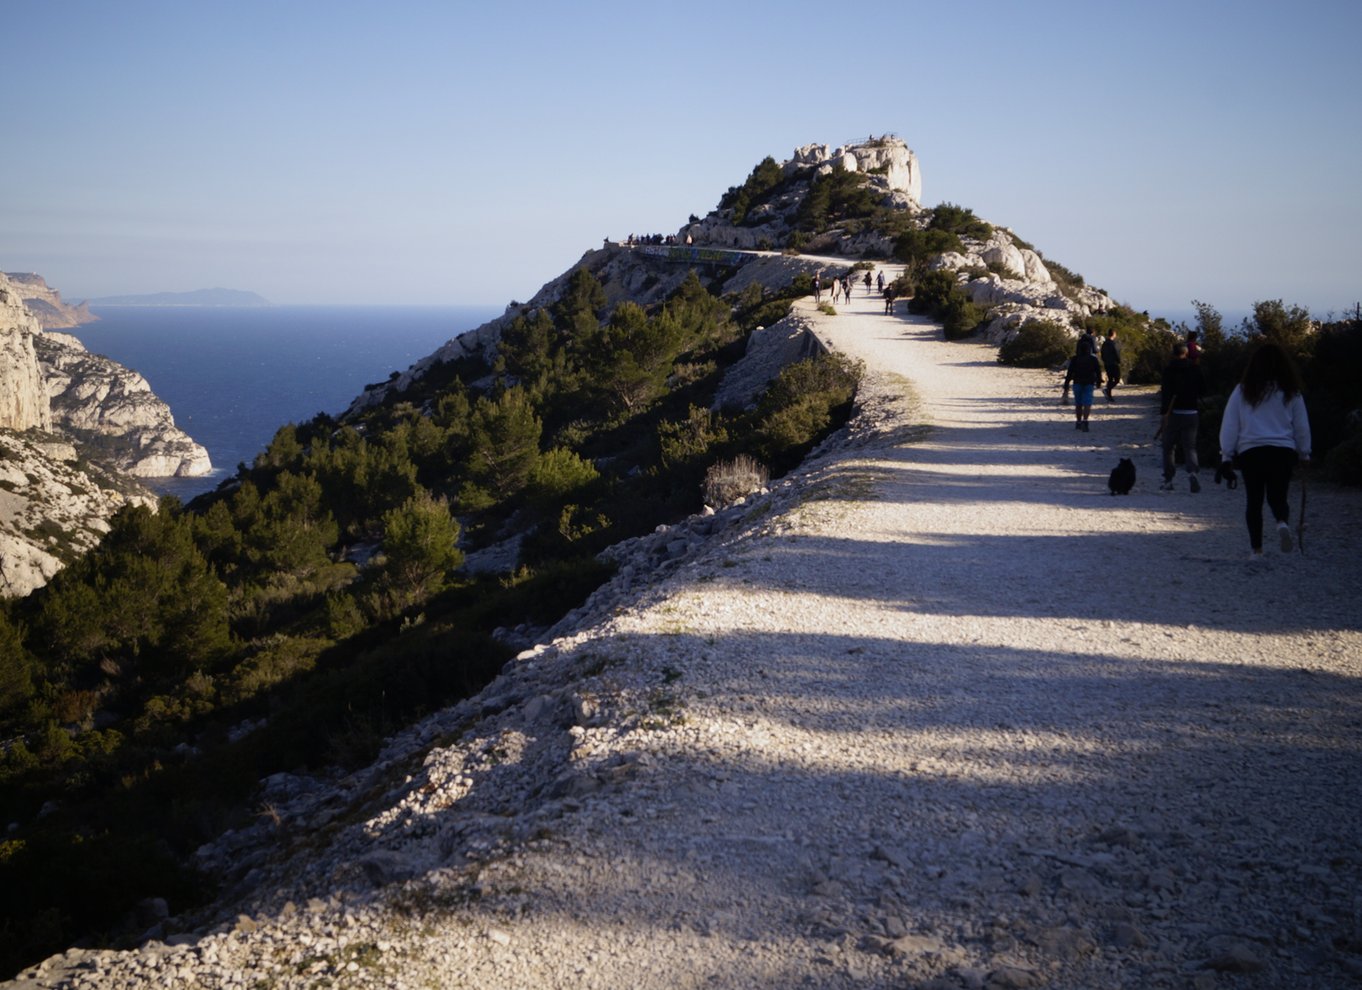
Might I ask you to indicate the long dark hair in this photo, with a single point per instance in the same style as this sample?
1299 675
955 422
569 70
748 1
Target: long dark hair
1269 370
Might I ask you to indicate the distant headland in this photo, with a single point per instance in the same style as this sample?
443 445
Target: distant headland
198 297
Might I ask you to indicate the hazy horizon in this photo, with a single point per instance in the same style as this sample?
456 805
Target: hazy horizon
452 153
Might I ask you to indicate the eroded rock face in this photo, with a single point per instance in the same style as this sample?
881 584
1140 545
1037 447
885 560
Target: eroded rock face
53 507
112 407
23 396
1024 292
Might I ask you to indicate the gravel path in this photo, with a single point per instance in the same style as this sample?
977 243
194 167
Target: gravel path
938 712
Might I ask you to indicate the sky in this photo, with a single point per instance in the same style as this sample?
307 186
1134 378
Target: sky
465 153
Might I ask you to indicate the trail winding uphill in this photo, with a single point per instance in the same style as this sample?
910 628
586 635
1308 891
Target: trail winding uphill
937 712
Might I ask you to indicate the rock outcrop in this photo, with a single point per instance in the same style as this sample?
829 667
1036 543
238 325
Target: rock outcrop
23 397
46 303
114 412
892 174
1014 285
53 507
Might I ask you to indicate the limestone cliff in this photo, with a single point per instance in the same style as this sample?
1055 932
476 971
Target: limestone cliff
46 303
71 425
114 413
23 395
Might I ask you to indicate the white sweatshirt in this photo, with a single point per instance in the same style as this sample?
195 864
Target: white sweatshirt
1274 422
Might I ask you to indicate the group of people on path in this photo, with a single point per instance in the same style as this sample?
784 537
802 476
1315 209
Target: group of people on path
841 288
1264 432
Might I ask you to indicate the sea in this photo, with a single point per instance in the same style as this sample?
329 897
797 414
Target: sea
233 376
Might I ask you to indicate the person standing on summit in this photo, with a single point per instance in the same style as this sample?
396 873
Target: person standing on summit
1179 401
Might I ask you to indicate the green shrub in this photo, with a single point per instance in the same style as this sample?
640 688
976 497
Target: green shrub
960 221
801 405
1037 344
559 473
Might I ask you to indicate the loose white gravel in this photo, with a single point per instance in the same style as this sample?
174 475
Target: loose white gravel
936 712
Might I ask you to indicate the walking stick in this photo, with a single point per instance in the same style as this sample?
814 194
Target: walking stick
1300 519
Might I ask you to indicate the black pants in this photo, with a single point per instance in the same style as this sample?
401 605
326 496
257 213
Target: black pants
1266 471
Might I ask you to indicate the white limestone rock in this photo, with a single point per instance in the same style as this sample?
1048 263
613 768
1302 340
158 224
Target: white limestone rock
23 396
53 507
101 402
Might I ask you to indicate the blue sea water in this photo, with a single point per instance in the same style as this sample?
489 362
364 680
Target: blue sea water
233 376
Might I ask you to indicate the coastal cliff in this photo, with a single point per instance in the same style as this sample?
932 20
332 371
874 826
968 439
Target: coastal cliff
73 425
114 413
46 303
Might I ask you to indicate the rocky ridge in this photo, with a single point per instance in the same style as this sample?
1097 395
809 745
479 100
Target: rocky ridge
1008 278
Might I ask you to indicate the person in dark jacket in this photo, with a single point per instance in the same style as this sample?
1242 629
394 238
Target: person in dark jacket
1111 362
1085 373
1179 397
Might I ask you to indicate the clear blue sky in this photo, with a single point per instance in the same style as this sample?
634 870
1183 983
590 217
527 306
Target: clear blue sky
424 152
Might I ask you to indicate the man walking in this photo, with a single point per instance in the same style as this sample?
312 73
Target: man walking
1111 362
1179 397
1085 374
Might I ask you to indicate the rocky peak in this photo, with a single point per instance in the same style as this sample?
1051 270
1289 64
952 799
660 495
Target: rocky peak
888 156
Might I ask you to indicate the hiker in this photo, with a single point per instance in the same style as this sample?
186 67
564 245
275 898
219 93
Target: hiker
1088 342
1265 431
879 280
1193 348
846 288
889 300
1179 397
868 289
1111 362
818 286
1085 374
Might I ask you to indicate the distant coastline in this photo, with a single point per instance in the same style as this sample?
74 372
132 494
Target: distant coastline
198 297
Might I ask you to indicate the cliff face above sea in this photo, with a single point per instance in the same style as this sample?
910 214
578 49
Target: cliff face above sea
46 303
72 425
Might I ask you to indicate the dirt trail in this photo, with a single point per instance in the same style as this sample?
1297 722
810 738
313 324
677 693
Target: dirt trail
939 712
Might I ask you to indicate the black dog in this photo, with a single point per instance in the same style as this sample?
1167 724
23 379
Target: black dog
1225 473
1122 478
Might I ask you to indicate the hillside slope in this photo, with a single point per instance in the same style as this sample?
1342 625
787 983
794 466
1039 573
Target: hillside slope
884 726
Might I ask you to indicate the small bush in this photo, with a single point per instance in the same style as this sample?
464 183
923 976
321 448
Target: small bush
1038 344
728 481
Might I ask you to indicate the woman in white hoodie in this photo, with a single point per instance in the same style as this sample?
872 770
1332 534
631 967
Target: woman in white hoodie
1265 431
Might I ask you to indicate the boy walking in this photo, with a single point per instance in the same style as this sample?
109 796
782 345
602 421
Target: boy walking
1085 374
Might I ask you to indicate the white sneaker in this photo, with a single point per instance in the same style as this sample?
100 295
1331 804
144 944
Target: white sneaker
1284 535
